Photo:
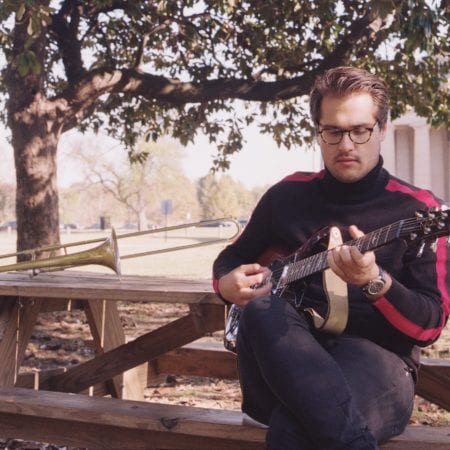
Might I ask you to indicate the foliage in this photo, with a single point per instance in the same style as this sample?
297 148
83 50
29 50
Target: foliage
132 191
112 185
174 66
184 67
224 197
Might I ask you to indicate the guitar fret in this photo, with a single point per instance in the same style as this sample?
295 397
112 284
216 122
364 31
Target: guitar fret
314 263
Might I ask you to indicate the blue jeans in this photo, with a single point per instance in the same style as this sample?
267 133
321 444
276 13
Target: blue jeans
316 391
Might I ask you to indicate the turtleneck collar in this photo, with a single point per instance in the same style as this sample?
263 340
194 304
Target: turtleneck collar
365 189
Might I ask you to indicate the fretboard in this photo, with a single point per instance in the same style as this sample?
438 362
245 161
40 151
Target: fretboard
318 262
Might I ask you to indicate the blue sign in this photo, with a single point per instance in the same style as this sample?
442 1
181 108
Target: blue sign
166 207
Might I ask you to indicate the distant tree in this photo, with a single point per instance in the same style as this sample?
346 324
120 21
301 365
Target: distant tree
174 185
139 186
221 197
83 203
174 67
7 210
247 200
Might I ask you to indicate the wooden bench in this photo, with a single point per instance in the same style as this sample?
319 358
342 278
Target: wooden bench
107 423
210 359
95 422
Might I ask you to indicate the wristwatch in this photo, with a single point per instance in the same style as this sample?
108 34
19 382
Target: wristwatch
375 286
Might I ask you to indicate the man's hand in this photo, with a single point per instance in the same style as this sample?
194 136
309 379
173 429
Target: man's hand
353 266
236 286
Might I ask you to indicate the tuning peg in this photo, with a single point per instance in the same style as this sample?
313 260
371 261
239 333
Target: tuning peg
433 245
421 249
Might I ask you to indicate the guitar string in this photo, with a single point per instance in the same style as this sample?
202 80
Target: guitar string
407 226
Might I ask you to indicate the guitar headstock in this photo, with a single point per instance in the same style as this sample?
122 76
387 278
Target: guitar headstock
429 225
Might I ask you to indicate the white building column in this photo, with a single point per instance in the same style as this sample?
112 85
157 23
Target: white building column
422 166
388 148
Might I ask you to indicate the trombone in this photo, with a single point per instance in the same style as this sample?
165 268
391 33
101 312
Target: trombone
107 253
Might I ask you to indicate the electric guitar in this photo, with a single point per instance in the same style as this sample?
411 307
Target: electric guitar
425 227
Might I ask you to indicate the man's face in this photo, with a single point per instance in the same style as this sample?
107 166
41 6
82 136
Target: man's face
347 161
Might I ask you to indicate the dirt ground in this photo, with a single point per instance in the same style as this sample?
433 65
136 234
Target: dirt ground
62 339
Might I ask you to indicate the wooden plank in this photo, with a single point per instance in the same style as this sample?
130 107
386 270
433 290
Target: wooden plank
434 382
35 379
203 359
9 319
417 437
212 360
203 319
17 320
107 333
85 285
113 423
79 420
135 382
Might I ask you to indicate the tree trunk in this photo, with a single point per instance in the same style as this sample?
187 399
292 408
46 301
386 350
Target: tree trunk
35 124
142 219
37 194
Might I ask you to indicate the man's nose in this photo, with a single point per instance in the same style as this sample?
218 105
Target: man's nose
346 143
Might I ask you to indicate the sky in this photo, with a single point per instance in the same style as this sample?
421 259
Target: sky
259 163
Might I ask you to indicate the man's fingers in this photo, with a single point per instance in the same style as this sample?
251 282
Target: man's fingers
253 274
355 232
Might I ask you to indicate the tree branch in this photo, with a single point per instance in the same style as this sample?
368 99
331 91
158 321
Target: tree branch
67 39
140 51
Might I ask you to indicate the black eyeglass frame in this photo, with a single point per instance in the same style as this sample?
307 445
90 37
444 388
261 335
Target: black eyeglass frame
343 131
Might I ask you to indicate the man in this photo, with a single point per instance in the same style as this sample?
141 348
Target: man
313 389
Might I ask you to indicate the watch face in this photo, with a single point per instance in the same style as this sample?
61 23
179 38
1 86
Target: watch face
375 286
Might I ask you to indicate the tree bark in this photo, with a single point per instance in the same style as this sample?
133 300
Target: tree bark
36 175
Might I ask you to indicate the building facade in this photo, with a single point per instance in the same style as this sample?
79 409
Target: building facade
418 153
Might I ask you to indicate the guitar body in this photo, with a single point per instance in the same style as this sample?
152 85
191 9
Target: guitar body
326 238
276 258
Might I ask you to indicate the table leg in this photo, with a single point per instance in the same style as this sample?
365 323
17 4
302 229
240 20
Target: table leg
17 320
107 333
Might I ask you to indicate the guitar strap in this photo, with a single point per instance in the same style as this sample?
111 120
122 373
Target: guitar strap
336 291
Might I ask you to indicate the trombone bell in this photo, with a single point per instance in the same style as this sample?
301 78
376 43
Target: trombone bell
105 254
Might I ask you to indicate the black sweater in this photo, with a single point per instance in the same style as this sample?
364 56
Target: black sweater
414 310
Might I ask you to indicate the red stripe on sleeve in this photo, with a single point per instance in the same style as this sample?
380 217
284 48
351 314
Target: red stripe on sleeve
302 176
387 308
441 270
407 327
421 195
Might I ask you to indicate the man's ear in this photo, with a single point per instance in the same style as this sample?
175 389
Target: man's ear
383 131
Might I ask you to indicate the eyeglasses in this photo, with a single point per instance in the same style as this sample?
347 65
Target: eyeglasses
358 135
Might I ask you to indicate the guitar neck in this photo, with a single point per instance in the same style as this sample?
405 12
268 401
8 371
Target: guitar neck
318 262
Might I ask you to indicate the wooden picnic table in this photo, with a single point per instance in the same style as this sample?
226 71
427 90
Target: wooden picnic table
63 417
24 296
